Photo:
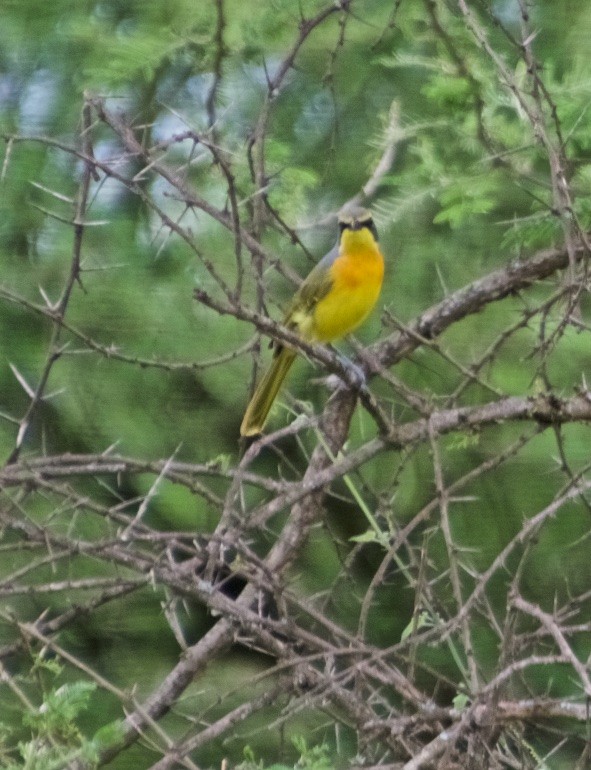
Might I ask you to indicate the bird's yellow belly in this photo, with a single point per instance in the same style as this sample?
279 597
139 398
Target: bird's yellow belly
353 296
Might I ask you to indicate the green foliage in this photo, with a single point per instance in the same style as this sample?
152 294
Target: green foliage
54 737
470 189
423 620
465 198
315 757
460 701
56 716
109 735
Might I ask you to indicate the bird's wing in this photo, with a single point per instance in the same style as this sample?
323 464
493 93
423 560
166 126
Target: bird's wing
316 286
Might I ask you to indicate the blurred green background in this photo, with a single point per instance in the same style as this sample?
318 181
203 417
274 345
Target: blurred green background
448 213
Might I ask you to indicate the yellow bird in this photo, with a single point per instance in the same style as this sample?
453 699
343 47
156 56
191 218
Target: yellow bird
337 296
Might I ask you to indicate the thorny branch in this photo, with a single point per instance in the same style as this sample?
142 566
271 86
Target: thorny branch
389 694
58 311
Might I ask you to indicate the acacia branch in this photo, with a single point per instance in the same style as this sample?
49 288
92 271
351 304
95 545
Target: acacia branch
516 276
59 310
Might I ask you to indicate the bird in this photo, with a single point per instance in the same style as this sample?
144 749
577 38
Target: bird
336 297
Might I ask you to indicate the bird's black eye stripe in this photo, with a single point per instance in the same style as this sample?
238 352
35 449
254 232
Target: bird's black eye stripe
358 224
369 223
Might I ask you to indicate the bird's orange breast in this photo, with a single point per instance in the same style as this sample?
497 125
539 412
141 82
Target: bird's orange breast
357 274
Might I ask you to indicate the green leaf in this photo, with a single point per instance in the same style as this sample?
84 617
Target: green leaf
461 701
422 620
109 734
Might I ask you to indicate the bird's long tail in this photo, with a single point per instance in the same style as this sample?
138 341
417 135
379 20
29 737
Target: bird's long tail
260 404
